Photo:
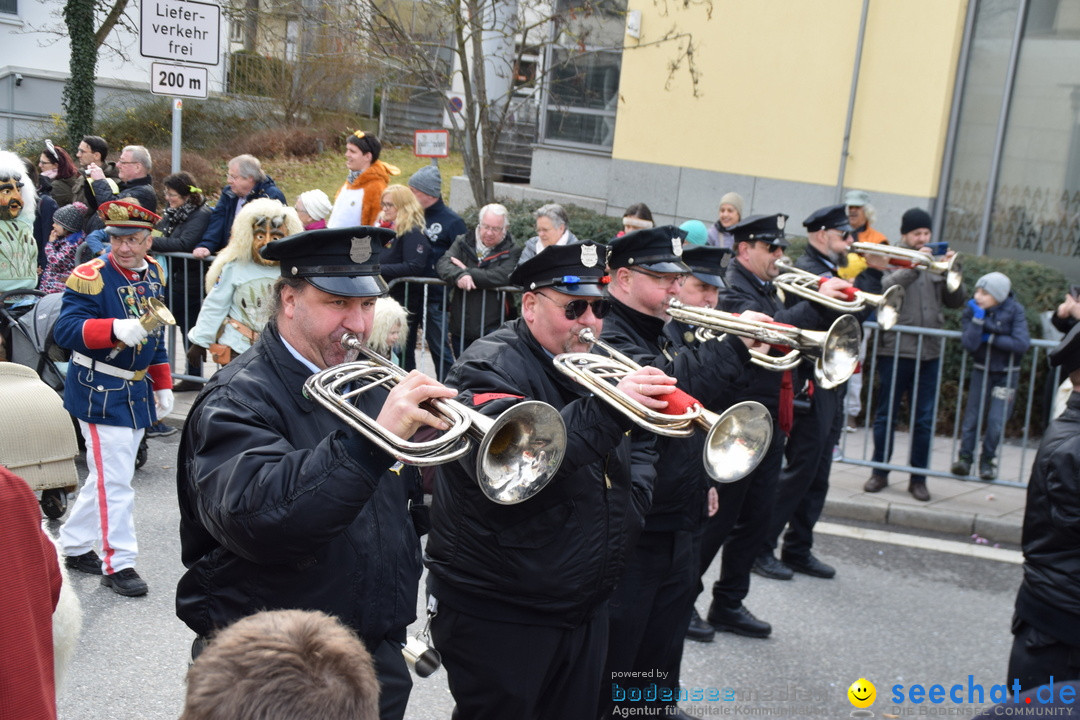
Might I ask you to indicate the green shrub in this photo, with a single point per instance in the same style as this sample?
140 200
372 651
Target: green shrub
584 223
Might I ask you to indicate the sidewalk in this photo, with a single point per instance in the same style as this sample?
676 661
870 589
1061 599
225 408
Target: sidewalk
957 507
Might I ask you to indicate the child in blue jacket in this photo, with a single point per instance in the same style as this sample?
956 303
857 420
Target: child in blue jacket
995 332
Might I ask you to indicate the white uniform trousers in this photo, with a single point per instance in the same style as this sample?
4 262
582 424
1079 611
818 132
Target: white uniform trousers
104 509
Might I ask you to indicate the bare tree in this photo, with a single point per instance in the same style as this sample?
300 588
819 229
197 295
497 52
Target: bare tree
479 46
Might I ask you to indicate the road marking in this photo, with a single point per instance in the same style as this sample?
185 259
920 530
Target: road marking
985 552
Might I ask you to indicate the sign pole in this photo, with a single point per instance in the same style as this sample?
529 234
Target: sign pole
177 129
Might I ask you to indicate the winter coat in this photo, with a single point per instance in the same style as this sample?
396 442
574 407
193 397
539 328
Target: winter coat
283 505
480 310
219 228
370 183
1007 327
1049 596
713 373
554 558
924 300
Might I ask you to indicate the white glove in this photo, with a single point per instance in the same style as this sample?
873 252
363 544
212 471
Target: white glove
165 401
129 331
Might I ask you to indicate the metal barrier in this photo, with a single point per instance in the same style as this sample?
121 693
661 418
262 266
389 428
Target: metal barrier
1014 455
433 317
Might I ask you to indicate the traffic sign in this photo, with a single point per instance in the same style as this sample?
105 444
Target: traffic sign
179 80
431 143
182 30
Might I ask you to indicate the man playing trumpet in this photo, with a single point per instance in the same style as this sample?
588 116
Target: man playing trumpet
520 591
282 504
650 610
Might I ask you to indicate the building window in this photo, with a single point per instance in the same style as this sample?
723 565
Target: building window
581 89
1034 185
9 6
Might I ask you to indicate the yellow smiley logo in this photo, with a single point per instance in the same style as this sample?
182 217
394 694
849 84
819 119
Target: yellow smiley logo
862 693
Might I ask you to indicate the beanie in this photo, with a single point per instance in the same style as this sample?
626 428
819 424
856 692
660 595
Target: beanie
735 200
70 217
914 219
995 283
696 232
427 180
316 203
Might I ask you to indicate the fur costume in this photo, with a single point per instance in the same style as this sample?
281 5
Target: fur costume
18 207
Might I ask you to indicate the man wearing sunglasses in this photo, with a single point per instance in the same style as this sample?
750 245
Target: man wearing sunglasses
650 609
520 591
804 481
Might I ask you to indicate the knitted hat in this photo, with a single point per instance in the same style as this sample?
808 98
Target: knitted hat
915 219
696 232
427 180
735 200
317 204
70 217
995 283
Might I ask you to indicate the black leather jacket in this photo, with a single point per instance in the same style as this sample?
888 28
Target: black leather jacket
712 373
282 506
554 558
1049 597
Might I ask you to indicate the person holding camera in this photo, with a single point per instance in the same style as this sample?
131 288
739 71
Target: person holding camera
910 364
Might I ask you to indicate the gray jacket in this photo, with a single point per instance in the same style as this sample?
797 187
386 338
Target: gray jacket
924 303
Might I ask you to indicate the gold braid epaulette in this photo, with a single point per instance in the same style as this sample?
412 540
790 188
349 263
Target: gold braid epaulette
86 278
160 270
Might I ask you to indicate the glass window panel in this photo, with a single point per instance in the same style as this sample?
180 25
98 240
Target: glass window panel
569 126
976 133
1036 213
9 6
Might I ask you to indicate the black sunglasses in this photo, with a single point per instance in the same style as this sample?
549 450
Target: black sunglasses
576 308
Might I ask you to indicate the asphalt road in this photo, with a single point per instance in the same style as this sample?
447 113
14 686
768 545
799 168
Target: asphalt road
894 615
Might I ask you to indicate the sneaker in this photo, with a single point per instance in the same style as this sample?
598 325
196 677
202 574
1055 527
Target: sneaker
987 468
88 562
160 429
962 466
125 582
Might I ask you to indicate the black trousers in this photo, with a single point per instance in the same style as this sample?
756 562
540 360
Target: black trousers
1036 657
804 481
650 612
499 670
740 526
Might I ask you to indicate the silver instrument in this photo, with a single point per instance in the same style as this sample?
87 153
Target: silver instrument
805 284
736 440
952 268
518 452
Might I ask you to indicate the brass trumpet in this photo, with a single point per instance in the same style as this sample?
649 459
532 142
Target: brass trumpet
517 453
736 441
805 284
157 315
836 351
952 268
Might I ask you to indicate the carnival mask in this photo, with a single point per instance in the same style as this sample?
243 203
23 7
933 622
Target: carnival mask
11 201
265 230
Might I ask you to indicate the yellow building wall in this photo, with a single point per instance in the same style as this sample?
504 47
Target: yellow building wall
774 85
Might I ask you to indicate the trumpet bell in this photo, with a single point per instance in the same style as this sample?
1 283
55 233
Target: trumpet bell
520 452
737 441
888 313
840 352
156 315
954 273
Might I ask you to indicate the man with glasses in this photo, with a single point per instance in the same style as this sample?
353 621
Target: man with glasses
476 264
804 481
132 169
650 609
520 590
118 383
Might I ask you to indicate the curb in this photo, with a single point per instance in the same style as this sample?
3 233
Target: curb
996 529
